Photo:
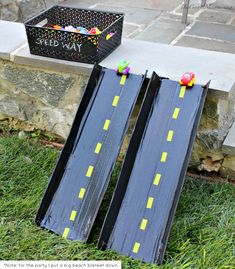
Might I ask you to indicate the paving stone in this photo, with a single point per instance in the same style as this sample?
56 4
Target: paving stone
30 8
82 3
133 15
194 3
50 3
129 29
168 15
200 43
229 4
212 30
13 34
191 11
149 4
215 16
9 11
162 31
176 17
193 7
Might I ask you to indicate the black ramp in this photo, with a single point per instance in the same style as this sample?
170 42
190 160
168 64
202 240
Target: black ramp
145 214
76 201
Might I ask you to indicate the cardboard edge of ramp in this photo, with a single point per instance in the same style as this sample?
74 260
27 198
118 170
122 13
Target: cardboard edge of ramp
69 144
87 101
106 235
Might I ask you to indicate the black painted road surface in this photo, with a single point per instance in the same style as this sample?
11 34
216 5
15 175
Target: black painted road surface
150 197
74 206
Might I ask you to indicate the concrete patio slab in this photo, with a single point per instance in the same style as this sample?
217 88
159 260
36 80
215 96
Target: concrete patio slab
162 31
129 29
31 10
229 4
213 30
191 11
82 3
201 43
173 16
215 16
12 36
148 4
132 14
50 3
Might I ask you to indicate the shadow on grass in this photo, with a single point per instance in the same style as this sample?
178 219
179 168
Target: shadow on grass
202 235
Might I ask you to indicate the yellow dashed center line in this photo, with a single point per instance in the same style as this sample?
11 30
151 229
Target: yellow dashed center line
91 168
176 113
73 215
136 247
170 135
123 80
150 202
98 148
182 92
66 233
143 224
106 125
89 171
164 157
157 179
115 100
82 193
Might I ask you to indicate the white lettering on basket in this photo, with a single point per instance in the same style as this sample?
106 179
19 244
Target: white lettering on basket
72 46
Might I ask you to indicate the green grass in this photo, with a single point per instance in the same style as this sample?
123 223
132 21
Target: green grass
202 235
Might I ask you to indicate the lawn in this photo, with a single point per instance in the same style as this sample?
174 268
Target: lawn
202 235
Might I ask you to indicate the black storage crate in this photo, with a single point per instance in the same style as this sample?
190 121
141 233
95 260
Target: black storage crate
46 41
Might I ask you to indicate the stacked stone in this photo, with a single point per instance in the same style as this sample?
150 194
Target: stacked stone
31 98
20 10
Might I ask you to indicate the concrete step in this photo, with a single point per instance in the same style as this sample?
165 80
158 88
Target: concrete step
229 142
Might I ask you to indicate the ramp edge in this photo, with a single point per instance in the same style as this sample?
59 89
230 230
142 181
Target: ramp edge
69 144
159 258
121 186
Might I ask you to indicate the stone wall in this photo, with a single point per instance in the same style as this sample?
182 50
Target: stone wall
20 10
217 116
31 98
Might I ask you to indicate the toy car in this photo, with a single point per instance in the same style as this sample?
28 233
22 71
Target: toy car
123 68
94 31
188 79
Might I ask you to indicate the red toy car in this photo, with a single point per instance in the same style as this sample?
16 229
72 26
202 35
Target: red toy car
188 79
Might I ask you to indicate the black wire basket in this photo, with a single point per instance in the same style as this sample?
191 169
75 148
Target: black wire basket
46 41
